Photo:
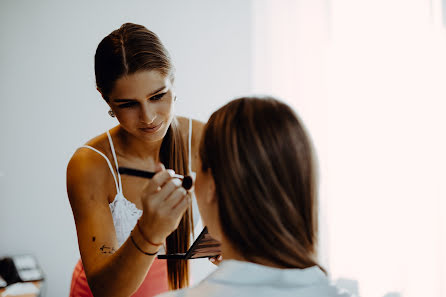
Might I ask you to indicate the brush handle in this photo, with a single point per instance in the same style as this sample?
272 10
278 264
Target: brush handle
187 180
136 172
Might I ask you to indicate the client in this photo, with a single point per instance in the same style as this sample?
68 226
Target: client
256 191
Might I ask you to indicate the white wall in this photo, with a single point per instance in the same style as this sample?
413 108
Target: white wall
386 163
367 77
49 105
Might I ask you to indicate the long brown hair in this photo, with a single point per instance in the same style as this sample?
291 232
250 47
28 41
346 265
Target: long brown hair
261 160
127 50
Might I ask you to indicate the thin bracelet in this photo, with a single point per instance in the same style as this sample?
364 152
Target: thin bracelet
139 249
144 236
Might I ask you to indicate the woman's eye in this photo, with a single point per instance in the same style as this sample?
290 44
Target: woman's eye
158 97
135 104
127 105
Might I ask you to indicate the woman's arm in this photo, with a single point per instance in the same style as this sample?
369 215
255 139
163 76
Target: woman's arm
111 271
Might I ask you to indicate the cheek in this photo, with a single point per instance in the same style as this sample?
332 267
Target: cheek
166 110
127 117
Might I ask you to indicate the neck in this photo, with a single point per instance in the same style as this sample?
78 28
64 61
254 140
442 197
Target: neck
230 253
132 148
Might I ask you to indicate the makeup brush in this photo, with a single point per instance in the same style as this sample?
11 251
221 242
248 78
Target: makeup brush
186 184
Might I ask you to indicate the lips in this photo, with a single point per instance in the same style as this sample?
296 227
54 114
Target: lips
151 129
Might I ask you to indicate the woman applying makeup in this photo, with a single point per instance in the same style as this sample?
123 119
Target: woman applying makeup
123 221
256 191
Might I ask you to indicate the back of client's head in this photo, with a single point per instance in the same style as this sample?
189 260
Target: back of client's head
261 161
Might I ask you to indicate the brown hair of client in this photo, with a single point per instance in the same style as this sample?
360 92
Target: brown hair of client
261 160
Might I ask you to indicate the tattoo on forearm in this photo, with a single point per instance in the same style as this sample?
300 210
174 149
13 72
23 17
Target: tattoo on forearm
107 250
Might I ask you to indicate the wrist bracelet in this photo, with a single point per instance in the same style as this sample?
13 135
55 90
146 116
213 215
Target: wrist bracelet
139 249
145 237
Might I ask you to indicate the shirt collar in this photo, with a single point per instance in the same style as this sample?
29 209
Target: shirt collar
247 273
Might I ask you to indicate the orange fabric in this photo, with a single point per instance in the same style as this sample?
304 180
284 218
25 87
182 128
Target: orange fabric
154 283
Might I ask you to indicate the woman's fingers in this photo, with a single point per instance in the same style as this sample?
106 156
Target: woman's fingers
158 180
216 260
165 202
168 188
176 197
159 167
181 202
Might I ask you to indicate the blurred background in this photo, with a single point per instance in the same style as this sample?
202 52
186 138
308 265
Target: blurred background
367 78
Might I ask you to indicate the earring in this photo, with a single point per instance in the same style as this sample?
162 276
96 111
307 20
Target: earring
175 99
111 113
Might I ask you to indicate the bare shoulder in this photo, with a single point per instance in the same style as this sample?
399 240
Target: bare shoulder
86 162
87 173
197 127
100 142
197 131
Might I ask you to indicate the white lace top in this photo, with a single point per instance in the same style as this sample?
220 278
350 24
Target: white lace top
124 212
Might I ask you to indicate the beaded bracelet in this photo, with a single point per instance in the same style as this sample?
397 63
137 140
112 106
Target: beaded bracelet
145 237
139 249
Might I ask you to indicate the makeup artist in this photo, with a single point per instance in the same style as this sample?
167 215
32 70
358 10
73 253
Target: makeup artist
256 190
123 221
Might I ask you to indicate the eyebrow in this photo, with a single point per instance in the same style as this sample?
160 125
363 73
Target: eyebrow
149 95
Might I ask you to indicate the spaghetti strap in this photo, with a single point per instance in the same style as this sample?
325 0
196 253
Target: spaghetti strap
190 145
108 162
116 160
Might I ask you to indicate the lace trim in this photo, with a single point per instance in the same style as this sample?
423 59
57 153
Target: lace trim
125 215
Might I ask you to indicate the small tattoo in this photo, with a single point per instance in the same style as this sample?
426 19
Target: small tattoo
107 250
94 239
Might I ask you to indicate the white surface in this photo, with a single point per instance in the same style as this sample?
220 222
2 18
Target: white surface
20 289
30 275
50 105
24 262
367 77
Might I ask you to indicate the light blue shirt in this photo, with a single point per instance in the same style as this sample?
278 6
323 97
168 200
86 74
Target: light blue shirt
240 279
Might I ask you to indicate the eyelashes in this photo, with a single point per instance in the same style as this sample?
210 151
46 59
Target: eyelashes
158 97
135 104
127 105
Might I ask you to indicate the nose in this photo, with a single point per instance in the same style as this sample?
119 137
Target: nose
148 114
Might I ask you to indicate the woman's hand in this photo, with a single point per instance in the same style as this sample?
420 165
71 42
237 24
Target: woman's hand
216 260
164 203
